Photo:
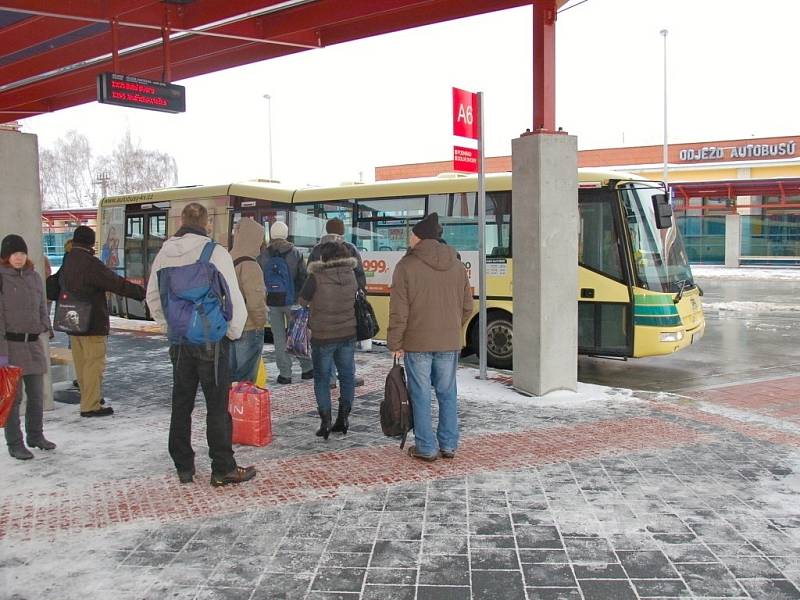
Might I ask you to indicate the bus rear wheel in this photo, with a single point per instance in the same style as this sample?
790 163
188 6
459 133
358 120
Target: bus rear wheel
499 339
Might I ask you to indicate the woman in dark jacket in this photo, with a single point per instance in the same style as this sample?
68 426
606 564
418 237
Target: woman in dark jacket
330 292
23 318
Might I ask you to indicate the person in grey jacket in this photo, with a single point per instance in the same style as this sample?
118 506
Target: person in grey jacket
279 314
23 318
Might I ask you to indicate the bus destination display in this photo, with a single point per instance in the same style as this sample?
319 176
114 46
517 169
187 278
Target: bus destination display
135 92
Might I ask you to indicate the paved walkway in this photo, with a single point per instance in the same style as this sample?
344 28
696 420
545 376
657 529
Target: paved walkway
603 494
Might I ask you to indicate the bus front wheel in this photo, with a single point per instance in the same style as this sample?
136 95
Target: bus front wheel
499 337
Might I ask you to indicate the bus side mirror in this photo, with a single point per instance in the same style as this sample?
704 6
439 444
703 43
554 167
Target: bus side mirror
662 211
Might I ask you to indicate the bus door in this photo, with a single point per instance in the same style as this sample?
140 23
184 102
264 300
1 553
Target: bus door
145 233
264 212
605 301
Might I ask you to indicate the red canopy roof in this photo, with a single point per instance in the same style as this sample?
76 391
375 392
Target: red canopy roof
53 51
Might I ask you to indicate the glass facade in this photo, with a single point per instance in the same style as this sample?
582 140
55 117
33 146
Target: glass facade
771 235
704 237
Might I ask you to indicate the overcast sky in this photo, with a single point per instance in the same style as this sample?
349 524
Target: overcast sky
338 112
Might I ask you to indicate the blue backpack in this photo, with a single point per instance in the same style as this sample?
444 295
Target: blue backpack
278 281
196 301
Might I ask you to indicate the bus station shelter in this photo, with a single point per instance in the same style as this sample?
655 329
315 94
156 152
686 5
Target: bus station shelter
56 55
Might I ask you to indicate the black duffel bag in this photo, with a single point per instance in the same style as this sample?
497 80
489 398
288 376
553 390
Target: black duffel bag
366 321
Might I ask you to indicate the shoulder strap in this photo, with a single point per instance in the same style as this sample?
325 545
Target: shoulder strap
205 255
241 259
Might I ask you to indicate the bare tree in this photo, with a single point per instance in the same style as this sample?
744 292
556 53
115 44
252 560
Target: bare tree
66 172
69 175
131 168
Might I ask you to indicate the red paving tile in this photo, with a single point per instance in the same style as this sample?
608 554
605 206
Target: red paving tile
764 397
324 475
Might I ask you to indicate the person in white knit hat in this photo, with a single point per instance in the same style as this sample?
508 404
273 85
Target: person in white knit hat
284 275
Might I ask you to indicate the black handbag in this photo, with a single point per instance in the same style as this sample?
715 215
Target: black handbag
52 287
366 322
73 313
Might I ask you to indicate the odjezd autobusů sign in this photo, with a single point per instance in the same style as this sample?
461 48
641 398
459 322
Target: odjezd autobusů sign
135 92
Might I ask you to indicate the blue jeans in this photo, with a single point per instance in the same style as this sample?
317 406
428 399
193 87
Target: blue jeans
245 353
324 357
438 370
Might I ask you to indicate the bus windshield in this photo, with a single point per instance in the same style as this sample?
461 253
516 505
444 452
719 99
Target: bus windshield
659 256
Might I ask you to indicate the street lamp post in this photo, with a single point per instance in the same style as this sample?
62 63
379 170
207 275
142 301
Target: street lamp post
664 33
269 130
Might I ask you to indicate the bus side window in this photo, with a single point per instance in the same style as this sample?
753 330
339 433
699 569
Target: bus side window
385 223
597 244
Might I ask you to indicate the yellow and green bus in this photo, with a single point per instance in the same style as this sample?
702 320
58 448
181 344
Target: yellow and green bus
636 295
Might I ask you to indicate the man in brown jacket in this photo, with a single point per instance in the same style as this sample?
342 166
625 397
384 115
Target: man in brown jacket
430 302
246 351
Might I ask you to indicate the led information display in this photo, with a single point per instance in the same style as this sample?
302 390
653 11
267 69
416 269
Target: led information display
134 92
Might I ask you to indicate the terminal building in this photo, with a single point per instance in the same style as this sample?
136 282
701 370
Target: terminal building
737 202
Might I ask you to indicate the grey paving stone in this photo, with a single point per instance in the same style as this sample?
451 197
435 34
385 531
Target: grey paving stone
646 564
776 589
333 595
344 559
489 524
391 576
709 580
294 562
444 544
389 592
283 586
599 571
400 531
589 550
224 593
239 572
531 555
535 536
427 592
688 553
548 575
494 558
395 554
659 588
490 585
751 567
443 569
545 593
338 580
173 592
493 541
345 539
597 589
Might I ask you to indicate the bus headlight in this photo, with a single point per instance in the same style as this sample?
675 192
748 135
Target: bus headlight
670 336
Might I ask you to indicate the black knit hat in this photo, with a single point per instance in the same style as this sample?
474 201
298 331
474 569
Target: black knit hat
84 236
428 228
335 226
12 243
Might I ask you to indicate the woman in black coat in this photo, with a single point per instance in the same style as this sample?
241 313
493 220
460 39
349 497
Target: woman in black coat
23 318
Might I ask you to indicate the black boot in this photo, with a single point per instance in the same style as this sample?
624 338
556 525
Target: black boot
41 442
20 452
325 424
342 422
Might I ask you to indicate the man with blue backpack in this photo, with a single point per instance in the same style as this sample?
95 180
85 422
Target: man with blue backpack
194 295
284 275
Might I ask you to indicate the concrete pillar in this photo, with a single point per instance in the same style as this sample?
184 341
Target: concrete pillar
733 237
21 205
545 241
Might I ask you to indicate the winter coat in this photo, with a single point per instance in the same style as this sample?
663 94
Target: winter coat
185 249
430 300
294 260
246 246
330 292
82 273
22 310
316 254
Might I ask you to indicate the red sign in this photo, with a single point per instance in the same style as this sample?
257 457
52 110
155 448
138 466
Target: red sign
465 159
465 114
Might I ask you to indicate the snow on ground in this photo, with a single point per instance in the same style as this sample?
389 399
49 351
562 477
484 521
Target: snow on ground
745 273
751 307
